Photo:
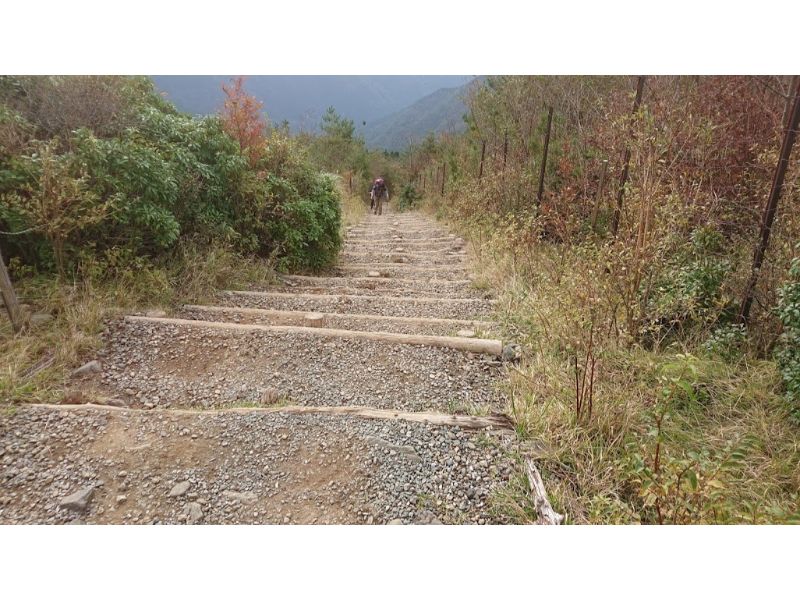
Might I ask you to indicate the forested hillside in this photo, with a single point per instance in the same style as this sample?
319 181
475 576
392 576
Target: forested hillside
301 100
440 112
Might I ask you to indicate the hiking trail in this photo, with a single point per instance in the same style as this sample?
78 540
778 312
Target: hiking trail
368 395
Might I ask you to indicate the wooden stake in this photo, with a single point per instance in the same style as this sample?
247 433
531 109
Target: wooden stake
540 193
598 197
9 297
444 175
626 161
505 149
770 209
483 156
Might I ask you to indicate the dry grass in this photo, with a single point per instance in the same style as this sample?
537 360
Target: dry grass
36 363
353 209
592 466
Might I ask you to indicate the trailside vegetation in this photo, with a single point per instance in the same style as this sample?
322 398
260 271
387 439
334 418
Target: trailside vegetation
111 200
96 168
617 219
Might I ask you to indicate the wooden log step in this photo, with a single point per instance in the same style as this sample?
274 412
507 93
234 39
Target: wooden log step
437 231
407 241
390 238
411 299
405 251
433 418
384 265
478 346
356 297
299 314
377 279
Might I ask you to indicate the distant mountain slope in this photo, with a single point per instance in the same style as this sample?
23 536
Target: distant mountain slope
302 99
443 110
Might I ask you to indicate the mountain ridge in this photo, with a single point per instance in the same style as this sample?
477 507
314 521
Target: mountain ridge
438 112
301 100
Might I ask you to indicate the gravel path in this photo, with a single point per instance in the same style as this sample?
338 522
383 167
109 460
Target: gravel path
158 365
423 291
379 286
148 467
378 305
146 462
400 271
232 315
407 258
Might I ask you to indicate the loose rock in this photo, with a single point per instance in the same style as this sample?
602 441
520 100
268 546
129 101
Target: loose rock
78 501
179 489
90 368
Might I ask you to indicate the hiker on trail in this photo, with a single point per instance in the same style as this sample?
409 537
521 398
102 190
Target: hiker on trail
378 192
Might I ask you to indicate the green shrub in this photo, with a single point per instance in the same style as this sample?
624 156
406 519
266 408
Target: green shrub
788 351
155 177
308 234
409 198
727 341
688 291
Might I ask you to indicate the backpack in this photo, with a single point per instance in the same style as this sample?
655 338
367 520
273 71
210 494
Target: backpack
379 186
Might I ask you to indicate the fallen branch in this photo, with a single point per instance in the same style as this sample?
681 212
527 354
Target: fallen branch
545 512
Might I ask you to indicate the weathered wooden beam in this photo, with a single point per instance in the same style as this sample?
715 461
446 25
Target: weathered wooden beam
478 346
406 266
410 299
269 312
462 421
320 279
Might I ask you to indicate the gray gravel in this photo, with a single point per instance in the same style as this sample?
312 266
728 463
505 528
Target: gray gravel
473 309
423 260
159 465
167 365
335 322
399 271
383 286
245 468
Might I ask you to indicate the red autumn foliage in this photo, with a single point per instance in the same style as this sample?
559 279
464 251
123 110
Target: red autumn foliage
242 119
